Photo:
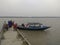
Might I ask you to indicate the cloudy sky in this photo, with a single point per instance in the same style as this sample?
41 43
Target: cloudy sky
30 8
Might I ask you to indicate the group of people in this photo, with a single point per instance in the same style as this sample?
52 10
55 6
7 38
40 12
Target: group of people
10 24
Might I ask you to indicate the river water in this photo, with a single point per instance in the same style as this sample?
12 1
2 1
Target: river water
50 36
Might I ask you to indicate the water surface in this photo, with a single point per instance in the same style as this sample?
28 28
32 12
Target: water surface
50 36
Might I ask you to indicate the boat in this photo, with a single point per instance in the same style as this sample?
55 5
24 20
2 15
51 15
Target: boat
32 26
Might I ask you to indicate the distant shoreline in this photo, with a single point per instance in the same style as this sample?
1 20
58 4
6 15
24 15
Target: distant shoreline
25 17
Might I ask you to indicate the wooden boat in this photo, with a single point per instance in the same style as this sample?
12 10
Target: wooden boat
32 26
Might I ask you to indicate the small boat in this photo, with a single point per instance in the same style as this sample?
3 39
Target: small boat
32 26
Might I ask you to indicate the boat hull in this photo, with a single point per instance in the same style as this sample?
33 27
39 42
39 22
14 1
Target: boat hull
32 29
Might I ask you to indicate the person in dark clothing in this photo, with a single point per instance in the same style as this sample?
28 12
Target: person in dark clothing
23 25
10 23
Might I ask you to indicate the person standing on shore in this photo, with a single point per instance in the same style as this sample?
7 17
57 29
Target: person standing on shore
15 26
5 26
10 23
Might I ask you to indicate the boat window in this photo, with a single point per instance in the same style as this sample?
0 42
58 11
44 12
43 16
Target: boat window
31 25
37 25
42 26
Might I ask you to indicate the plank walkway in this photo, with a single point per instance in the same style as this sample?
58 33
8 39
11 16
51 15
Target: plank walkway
11 38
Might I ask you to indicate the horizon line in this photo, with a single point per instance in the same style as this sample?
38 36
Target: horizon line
28 17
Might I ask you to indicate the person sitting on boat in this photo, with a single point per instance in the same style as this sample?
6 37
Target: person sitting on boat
27 25
23 25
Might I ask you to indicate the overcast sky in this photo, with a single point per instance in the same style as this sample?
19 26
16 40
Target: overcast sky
29 7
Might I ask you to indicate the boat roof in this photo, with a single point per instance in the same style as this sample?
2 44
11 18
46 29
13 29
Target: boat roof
34 23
